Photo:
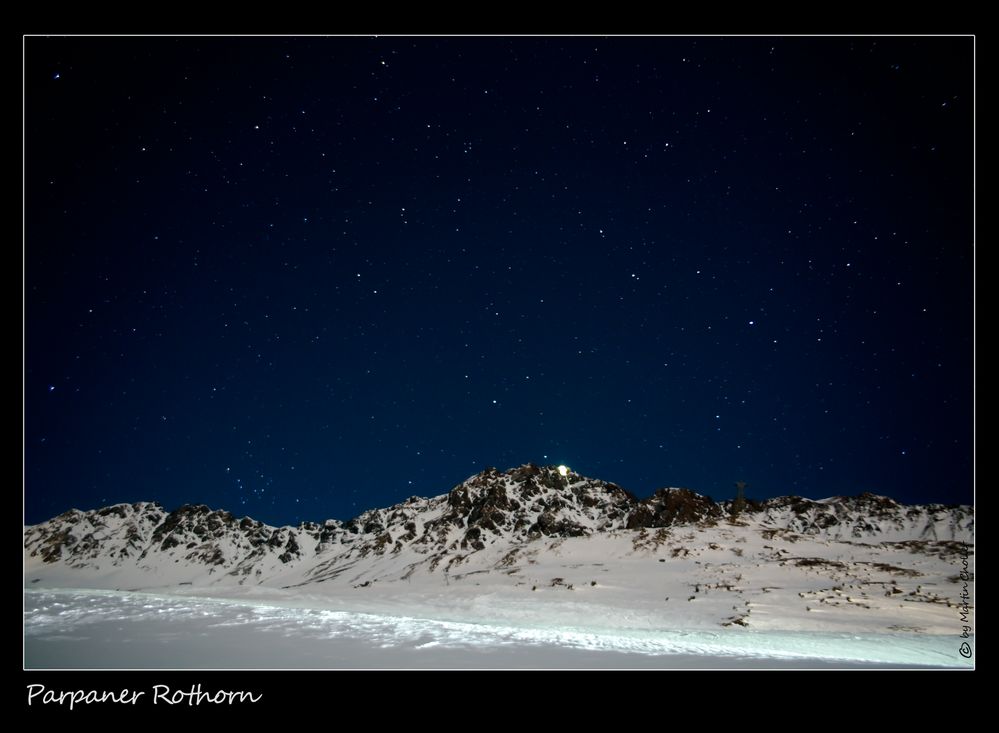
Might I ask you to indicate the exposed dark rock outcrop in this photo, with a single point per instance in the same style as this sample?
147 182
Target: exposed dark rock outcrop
508 509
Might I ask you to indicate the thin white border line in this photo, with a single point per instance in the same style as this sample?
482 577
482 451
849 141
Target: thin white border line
375 36
974 350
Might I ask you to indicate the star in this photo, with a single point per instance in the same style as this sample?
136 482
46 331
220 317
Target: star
255 287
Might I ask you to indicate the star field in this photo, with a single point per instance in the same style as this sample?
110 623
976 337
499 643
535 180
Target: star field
298 278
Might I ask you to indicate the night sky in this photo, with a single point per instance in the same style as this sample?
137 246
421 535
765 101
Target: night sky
298 278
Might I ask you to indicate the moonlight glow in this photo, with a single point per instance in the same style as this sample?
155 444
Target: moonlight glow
563 470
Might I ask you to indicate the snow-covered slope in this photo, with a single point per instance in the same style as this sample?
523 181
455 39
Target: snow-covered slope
508 545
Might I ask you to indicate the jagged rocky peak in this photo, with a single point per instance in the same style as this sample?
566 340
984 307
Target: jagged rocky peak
872 503
866 503
117 531
672 506
531 501
531 480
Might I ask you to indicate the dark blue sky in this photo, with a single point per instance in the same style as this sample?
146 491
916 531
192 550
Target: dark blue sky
301 277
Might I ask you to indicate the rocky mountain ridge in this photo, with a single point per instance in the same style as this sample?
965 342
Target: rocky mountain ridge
503 511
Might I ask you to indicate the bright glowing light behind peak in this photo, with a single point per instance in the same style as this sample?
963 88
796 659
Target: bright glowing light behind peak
563 470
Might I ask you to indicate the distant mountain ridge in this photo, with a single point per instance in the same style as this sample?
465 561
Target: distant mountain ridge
502 512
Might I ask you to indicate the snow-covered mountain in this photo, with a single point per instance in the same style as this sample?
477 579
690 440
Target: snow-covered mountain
526 529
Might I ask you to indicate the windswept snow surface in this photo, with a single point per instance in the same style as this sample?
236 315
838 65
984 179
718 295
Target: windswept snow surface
109 629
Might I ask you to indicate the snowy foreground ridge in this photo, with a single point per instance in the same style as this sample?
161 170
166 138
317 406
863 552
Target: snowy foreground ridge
530 554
